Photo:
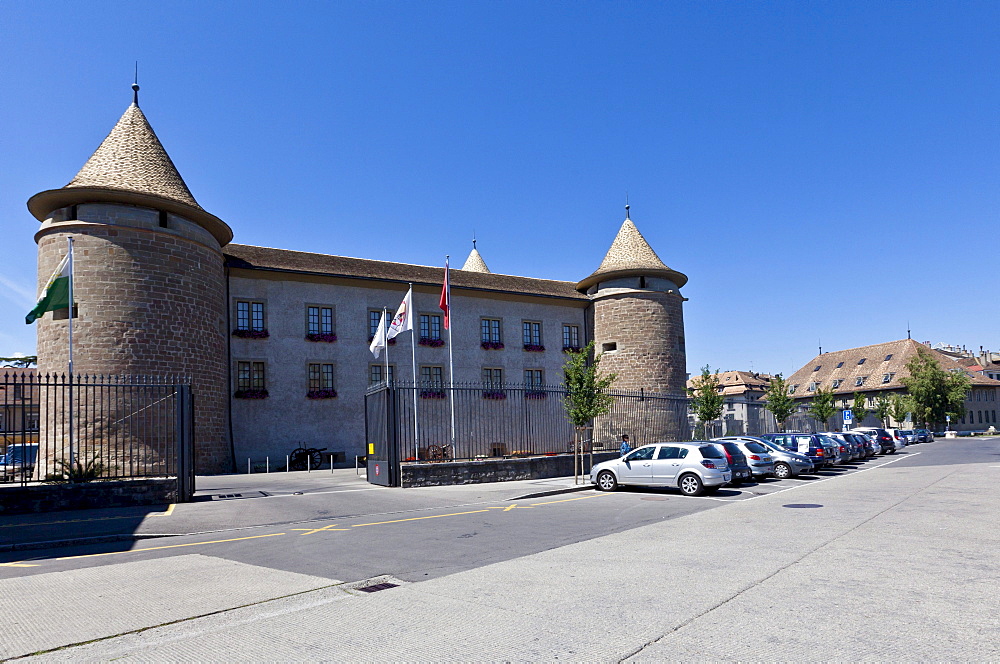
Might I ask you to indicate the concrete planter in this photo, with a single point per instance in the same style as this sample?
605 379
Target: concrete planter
89 495
493 470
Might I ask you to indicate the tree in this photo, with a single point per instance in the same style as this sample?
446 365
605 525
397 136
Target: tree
585 387
823 406
706 398
934 391
779 402
901 406
21 362
883 405
860 408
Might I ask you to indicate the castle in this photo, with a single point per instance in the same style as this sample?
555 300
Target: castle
275 342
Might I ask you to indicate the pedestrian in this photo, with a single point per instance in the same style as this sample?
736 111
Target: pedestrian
625 448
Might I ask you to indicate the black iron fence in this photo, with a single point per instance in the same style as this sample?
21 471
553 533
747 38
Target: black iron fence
61 428
428 422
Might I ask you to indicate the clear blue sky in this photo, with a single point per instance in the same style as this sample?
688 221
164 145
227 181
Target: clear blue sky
820 170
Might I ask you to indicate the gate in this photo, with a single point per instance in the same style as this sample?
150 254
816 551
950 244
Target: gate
72 428
382 435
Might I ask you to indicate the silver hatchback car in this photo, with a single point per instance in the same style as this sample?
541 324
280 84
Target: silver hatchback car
786 463
694 468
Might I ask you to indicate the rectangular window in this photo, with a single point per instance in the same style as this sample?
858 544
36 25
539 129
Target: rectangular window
490 328
493 378
319 320
837 383
320 377
376 373
860 381
250 376
571 336
432 376
533 378
886 378
430 326
812 387
532 333
250 316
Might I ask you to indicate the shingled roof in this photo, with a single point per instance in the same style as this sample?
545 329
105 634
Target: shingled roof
131 166
872 364
737 383
248 257
631 255
475 262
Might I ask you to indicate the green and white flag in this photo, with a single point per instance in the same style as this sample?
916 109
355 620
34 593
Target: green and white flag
56 293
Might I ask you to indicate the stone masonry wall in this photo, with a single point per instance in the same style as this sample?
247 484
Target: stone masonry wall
151 302
648 330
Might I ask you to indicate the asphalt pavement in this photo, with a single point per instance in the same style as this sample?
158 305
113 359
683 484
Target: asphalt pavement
896 561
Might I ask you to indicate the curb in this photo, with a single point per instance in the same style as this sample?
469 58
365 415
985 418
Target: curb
78 541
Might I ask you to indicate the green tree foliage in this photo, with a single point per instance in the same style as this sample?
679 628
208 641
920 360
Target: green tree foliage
25 361
706 399
585 387
901 405
934 391
860 409
823 406
779 402
883 406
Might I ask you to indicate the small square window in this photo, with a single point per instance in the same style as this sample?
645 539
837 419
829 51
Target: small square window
860 381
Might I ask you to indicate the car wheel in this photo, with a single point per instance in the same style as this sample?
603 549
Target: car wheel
782 471
606 481
691 485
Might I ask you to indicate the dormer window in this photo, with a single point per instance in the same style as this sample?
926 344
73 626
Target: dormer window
836 383
887 377
860 381
812 387
862 360
792 389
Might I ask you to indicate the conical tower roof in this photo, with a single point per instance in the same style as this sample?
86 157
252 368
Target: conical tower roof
631 255
475 262
131 166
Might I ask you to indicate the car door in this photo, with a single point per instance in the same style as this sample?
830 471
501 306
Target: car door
636 467
665 465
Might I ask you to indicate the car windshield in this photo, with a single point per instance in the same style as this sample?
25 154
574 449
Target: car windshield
711 452
829 441
755 447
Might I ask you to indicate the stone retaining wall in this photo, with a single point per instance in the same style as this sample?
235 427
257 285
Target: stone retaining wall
89 495
493 470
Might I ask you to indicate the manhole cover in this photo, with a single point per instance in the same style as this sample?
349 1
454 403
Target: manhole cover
803 505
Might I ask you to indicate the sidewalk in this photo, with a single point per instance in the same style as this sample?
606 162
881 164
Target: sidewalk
894 564
233 502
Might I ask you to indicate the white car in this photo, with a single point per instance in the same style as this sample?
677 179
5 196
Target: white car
694 468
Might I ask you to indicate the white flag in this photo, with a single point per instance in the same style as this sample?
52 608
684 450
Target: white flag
378 341
403 320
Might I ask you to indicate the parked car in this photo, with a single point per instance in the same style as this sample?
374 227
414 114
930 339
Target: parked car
899 437
786 462
881 436
924 436
841 451
735 458
694 468
758 457
869 447
853 448
910 435
815 449
18 461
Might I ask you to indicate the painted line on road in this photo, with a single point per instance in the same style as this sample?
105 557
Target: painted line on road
17 564
569 500
810 483
310 531
168 512
168 546
418 518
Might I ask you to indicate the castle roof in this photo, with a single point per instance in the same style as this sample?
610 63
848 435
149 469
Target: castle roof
475 262
248 257
131 166
737 383
631 255
877 367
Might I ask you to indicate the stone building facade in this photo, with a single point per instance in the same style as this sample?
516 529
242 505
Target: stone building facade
275 342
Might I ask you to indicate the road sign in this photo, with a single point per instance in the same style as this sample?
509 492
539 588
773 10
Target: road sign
848 417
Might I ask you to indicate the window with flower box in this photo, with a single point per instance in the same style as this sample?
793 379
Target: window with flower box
432 382
319 323
490 334
250 320
531 334
571 338
533 383
320 381
493 383
430 330
251 380
374 318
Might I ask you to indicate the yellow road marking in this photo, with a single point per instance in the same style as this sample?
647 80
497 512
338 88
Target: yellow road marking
310 531
168 546
17 565
416 518
511 507
569 500
168 512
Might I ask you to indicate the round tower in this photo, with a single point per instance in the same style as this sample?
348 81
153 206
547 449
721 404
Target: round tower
638 318
149 284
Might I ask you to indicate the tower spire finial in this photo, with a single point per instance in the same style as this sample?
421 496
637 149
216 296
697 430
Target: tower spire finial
473 238
626 206
135 85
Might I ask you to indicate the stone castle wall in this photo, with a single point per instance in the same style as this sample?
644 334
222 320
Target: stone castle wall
151 302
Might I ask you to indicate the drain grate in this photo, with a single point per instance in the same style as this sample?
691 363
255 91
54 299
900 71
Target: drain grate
238 496
802 505
377 587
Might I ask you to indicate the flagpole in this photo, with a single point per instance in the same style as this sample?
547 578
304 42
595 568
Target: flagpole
451 353
385 336
413 364
69 241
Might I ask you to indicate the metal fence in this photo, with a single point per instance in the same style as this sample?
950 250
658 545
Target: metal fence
60 428
507 420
